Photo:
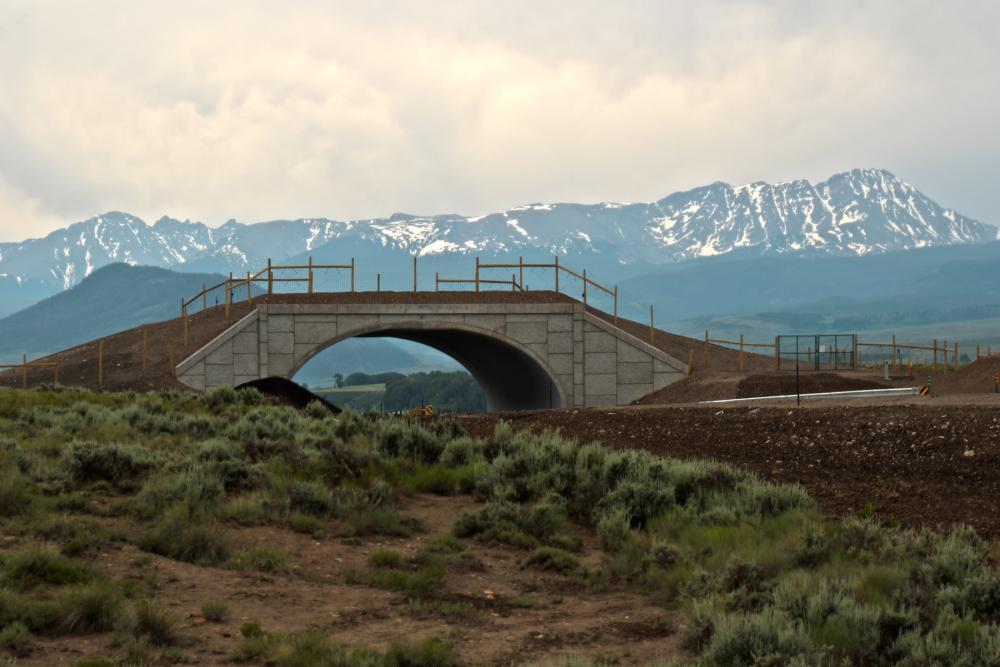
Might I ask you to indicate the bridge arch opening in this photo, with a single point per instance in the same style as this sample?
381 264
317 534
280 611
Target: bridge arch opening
511 376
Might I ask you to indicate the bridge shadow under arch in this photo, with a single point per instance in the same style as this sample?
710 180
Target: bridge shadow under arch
512 376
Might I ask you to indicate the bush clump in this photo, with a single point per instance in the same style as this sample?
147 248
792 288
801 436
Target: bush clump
120 465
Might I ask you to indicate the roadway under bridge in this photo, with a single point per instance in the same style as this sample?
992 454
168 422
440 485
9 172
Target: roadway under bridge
539 353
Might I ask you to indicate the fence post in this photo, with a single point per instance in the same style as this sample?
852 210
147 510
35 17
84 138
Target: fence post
414 273
954 359
477 273
616 304
100 363
944 348
310 280
184 317
145 348
204 296
352 274
585 287
270 278
229 291
513 282
741 353
378 282
894 353
437 282
557 273
934 364
24 371
248 288
520 272
706 348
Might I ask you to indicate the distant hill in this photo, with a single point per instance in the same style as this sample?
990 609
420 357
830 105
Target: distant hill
111 299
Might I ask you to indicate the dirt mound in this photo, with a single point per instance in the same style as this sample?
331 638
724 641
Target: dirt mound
922 465
777 385
976 378
700 386
289 393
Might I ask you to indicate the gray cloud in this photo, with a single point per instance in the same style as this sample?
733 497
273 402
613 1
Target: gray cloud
257 110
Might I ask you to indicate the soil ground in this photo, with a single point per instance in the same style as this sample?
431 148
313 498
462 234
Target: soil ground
924 465
514 615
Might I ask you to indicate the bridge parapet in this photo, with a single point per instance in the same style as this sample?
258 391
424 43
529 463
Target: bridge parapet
524 355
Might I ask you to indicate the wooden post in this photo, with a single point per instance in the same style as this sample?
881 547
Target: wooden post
585 287
437 282
777 357
310 279
270 278
185 318
616 304
741 353
954 358
652 329
378 282
477 273
934 365
894 353
204 296
706 348
690 362
248 288
352 274
414 273
145 348
24 371
944 348
557 273
513 282
229 293
100 363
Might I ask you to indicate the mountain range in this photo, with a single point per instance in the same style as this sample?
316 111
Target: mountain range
859 212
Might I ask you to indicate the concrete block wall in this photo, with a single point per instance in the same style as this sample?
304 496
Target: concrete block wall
592 362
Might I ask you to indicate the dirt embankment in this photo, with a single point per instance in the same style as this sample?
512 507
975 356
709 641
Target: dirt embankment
924 466
979 377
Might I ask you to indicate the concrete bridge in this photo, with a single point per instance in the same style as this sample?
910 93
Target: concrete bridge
526 350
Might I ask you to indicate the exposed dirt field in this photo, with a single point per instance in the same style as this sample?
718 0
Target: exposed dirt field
923 465
978 377
717 385
777 385
513 615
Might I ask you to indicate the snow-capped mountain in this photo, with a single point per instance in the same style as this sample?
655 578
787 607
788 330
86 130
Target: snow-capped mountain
853 213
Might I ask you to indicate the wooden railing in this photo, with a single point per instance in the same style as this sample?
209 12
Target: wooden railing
516 281
933 348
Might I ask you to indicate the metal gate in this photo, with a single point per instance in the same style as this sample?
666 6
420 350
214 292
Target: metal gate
817 352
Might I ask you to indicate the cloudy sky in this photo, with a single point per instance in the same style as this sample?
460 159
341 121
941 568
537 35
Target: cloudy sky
260 110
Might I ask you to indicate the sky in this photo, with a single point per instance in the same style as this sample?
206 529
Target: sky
262 110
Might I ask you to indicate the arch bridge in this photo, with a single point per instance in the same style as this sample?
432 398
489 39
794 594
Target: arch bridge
526 350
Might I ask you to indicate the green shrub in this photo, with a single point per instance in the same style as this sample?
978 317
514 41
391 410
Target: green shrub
92 608
553 560
15 494
306 523
747 640
385 558
15 637
461 452
428 653
119 465
404 438
215 612
311 497
258 558
220 396
365 521
250 396
37 564
427 581
177 535
152 623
